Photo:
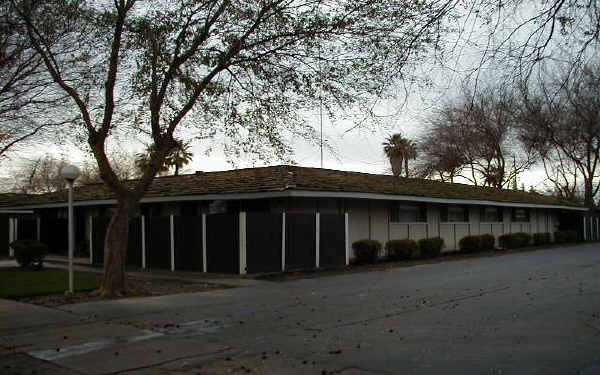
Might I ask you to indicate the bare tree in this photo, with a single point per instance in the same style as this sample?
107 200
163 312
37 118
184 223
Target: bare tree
245 68
474 138
40 175
29 105
123 163
560 120
513 37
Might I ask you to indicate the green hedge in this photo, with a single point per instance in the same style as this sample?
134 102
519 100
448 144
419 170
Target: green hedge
402 250
541 238
366 251
470 244
431 247
488 242
514 240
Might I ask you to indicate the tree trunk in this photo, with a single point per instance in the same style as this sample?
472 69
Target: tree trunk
588 195
115 250
396 163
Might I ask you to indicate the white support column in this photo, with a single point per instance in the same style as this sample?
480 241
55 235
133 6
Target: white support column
38 228
172 231
242 230
11 235
317 238
584 229
283 241
91 239
143 242
347 239
204 265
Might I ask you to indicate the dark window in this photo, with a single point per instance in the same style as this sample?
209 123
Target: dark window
491 214
520 215
454 214
408 213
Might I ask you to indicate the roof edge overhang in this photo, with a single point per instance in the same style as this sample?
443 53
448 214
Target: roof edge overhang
303 193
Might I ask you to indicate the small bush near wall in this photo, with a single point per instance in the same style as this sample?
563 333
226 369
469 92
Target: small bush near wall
523 239
470 244
541 238
565 236
488 242
572 236
514 240
508 241
366 251
560 237
402 250
29 253
431 247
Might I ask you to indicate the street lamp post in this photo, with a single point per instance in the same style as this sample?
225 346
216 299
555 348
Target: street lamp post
70 174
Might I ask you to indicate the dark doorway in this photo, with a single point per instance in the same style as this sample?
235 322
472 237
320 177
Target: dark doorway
300 236
222 243
263 242
332 240
188 243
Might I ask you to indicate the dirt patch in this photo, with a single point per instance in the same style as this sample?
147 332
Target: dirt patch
137 288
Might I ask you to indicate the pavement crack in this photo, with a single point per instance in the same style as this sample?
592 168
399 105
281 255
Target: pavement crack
423 307
168 361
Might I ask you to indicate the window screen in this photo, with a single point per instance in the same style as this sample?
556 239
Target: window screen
491 214
455 213
408 213
520 215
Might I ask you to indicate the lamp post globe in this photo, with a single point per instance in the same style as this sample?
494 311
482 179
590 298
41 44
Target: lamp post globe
70 174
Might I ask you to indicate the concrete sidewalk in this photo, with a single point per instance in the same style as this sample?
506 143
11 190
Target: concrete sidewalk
188 276
79 264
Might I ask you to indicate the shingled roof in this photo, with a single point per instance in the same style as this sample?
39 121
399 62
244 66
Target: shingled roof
289 178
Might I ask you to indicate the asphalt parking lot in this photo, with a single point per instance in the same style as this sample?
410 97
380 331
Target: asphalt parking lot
526 313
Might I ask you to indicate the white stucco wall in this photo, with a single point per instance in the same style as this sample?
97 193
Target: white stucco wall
370 219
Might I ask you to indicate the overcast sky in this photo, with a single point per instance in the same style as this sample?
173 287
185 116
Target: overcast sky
353 150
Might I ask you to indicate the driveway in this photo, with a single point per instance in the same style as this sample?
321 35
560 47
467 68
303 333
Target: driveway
525 313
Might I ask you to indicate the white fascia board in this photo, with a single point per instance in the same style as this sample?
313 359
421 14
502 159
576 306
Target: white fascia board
377 196
306 194
15 211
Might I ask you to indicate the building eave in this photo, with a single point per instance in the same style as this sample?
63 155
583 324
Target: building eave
302 193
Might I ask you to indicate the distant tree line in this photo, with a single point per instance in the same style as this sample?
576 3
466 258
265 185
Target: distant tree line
490 136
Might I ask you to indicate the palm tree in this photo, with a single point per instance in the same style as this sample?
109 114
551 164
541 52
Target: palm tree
399 151
179 157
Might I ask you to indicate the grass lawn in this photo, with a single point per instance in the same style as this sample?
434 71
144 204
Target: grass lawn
15 282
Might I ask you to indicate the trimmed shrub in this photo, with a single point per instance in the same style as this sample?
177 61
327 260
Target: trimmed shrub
572 236
508 241
470 244
402 249
560 236
366 251
514 240
488 242
541 238
523 239
29 253
431 247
